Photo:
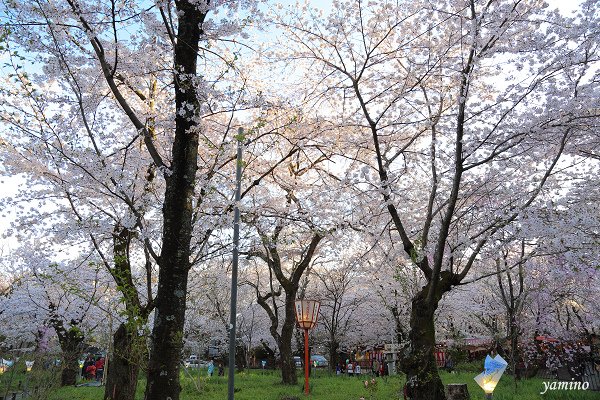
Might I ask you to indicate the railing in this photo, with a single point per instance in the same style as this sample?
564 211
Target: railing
591 374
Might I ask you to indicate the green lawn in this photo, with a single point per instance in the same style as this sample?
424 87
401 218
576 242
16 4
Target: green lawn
259 385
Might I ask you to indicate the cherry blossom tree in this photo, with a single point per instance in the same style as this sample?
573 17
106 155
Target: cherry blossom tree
62 299
470 108
293 211
83 50
436 129
286 268
340 299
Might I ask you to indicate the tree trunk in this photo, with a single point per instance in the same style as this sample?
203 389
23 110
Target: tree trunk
422 378
240 358
70 344
290 285
514 340
68 376
333 354
288 366
167 334
174 263
123 367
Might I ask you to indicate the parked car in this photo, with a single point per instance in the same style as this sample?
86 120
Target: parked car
319 361
194 362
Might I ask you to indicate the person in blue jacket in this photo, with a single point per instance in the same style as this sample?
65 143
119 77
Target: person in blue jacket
211 368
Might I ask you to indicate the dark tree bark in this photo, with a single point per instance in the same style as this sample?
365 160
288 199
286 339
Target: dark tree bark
174 259
123 367
174 262
70 340
288 366
333 346
71 346
418 362
129 352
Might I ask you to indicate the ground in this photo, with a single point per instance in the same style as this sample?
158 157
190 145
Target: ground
264 385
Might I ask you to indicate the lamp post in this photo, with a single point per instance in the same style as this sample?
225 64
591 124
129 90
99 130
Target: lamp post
307 312
234 269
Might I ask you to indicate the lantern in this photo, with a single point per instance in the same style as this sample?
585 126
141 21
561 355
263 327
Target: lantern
493 370
307 312
29 365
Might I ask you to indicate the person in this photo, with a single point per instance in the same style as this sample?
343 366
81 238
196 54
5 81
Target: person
221 369
211 368
90 371
84 369
449 364
357 370
350 369
338 370
99 368
375 368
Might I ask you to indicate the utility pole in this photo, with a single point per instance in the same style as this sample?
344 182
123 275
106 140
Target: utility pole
234 270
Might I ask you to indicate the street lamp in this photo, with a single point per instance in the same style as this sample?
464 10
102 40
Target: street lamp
307 312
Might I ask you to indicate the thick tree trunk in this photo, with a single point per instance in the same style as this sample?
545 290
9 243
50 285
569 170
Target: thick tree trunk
70 344
174 263
123 367
167 333
288 366
422 378
68 376
333 354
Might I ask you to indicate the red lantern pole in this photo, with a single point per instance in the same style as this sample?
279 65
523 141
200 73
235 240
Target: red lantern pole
307 312
306 361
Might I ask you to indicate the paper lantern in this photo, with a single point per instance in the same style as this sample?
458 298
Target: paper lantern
307 312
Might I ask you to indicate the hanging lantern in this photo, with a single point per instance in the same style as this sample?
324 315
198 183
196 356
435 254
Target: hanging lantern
307 312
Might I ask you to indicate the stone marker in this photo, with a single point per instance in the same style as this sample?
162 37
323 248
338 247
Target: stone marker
457 391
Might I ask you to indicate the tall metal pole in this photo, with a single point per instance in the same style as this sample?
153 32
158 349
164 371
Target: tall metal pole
234 270
306 361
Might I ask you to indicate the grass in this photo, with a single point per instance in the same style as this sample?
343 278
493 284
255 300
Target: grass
265 385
